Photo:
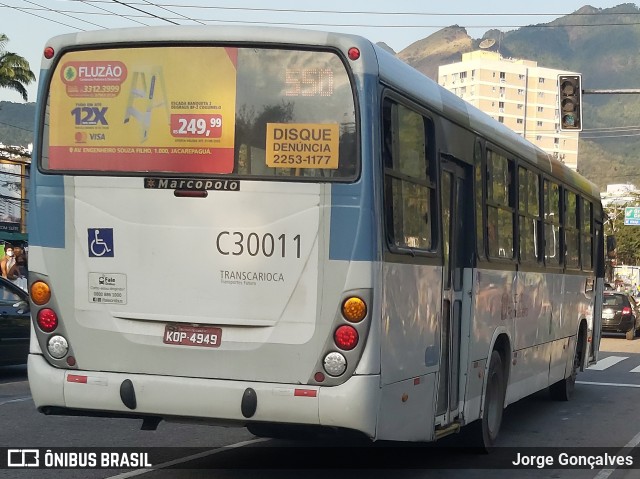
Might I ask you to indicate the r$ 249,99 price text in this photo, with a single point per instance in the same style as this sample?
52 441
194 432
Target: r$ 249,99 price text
186 125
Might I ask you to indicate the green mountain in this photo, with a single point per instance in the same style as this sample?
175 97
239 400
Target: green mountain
443 47
16 123
602 44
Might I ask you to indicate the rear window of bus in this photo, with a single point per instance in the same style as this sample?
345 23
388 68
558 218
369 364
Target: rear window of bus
201 110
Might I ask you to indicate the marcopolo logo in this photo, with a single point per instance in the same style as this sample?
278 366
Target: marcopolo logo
191 184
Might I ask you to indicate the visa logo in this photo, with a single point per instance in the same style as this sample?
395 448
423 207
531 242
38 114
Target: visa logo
97 136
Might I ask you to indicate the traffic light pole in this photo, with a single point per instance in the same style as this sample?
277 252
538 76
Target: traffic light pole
570 101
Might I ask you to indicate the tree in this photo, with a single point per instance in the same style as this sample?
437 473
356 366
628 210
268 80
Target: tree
15 73
627 237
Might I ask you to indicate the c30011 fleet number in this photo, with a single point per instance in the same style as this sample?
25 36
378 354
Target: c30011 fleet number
237 243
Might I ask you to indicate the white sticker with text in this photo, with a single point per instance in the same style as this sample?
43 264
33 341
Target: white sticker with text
108 288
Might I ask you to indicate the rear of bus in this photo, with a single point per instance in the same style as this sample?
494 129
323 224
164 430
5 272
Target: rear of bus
201 228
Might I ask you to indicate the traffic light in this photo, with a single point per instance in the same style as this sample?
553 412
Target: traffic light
570 98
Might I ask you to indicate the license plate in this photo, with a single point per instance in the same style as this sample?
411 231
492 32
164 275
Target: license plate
203 336
607 315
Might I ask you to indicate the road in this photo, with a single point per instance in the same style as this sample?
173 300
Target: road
603 413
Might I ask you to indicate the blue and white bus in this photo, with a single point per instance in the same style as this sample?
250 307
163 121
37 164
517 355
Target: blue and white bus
280 228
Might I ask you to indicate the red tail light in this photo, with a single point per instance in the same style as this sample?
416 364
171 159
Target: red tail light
47 320
626 310
346 337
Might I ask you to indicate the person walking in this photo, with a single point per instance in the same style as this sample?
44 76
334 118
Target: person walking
7 260
18 272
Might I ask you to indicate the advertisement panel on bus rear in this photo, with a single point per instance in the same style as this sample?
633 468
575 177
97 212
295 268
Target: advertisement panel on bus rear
144 109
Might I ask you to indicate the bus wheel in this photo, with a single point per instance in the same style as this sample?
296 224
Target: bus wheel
493 401
484 432
563 389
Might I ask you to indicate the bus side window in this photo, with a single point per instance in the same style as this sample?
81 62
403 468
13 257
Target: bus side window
587 235
571 231
387 135
480 198
409 191
551 224
500 205
529 214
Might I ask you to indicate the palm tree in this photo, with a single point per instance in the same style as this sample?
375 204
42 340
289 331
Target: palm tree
15 73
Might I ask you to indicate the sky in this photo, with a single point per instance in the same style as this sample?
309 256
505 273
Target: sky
30 23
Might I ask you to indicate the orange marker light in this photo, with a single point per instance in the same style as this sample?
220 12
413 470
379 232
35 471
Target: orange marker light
354 309
40 293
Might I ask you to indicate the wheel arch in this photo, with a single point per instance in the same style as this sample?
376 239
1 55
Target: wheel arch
502 343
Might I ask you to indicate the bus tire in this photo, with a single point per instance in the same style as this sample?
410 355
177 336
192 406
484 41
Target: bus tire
563 389
484 432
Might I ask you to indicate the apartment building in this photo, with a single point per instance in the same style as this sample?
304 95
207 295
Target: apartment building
15 164
515 92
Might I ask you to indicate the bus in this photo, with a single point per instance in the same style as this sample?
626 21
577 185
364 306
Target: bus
292 230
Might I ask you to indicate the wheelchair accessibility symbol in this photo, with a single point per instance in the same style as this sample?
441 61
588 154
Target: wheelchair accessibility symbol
100 242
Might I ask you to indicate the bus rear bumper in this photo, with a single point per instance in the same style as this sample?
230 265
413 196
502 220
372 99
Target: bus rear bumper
352 405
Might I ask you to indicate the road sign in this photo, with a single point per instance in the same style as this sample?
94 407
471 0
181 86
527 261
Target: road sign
632 215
